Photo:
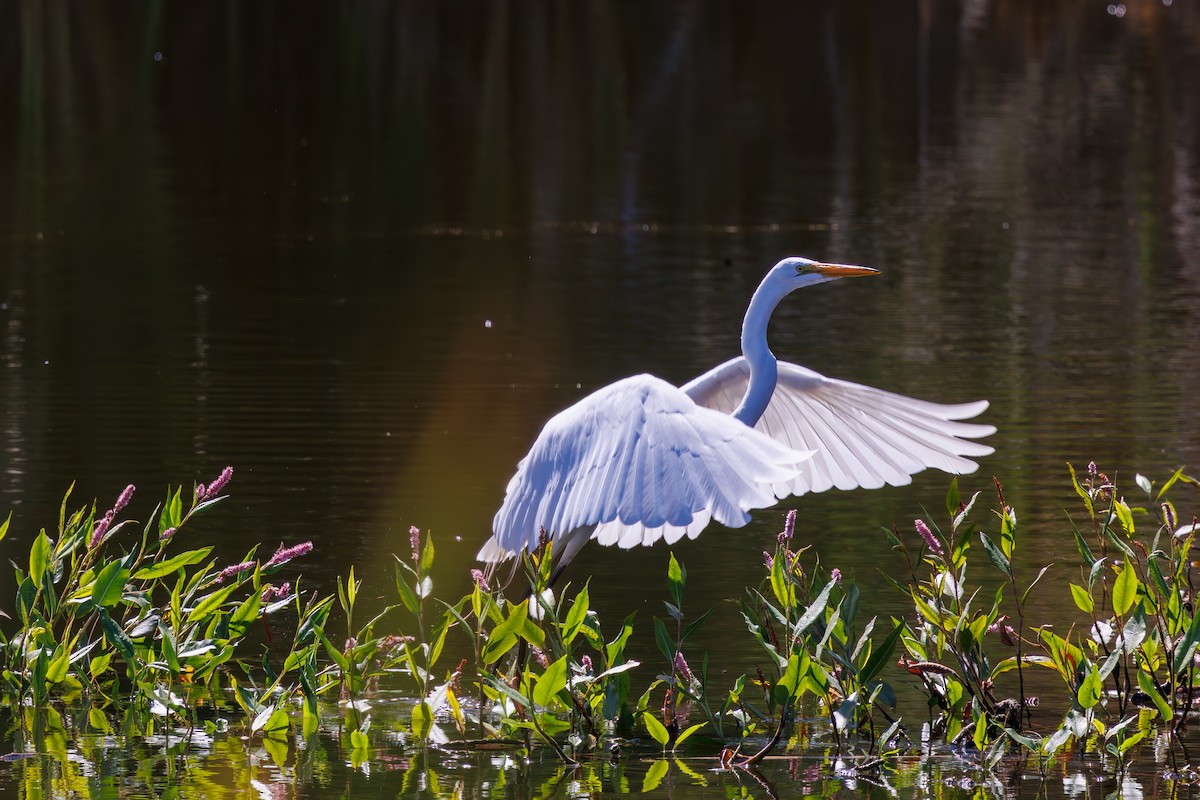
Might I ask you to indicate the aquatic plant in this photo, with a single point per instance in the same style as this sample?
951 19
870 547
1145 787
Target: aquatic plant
118 627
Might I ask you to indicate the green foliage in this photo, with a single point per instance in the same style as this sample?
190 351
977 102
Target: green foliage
105 617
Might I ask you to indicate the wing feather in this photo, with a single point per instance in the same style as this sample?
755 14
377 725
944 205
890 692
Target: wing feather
862 436
635 462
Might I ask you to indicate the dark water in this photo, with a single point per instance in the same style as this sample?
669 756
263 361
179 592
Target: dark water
361 253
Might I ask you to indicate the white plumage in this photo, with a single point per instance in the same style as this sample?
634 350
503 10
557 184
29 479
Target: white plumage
642 460
634 462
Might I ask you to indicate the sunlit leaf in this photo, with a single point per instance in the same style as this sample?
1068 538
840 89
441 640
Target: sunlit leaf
1090 689
39 558
1082 598
676 576
814 609
1146 684
681 738
167 566
56 670
576 615
110 584
1124 590
427 555
552 681
656 729
209 604
422 720
504 635
952 498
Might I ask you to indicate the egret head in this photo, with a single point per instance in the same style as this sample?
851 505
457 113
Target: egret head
798 272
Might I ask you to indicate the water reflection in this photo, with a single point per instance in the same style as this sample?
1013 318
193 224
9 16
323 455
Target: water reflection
277 246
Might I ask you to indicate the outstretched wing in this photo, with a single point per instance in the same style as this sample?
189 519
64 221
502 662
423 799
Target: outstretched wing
861 436
634 462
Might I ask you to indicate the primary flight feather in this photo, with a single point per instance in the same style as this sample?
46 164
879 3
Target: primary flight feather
642 460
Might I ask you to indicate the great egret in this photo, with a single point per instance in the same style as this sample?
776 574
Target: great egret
642 460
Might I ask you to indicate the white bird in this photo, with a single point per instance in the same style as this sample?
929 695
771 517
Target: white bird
641 460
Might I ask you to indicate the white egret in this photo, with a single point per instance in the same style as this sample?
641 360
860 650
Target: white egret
642 460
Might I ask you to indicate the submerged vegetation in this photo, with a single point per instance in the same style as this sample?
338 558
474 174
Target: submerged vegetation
118 630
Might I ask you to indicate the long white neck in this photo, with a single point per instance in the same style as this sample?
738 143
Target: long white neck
764 370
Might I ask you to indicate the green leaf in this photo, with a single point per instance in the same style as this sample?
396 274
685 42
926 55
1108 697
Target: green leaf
1125 590
209 604
504 635
779 583
427 555
117 638
1079 490
1186 647
666 645
552 681
788 686
99 664
1124 516
407 595
1090 689
693 625
880 658
952 498
1085 552
1082 598
39 558
576 616
1008 532
167 566
814 609
278 722
1146 684
998 559
1156 577
676 576
4 526
56 672
245 615
110 584
656 728
681 738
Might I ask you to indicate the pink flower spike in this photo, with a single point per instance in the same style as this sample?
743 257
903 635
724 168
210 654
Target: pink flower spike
286 554
835 575
166 535
681 666
480 579
789 528
234 570
931 541
768 560
124 499
200 490
276 592
100 529
217 485
414 536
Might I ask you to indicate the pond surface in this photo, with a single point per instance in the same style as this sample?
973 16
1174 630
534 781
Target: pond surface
362 252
